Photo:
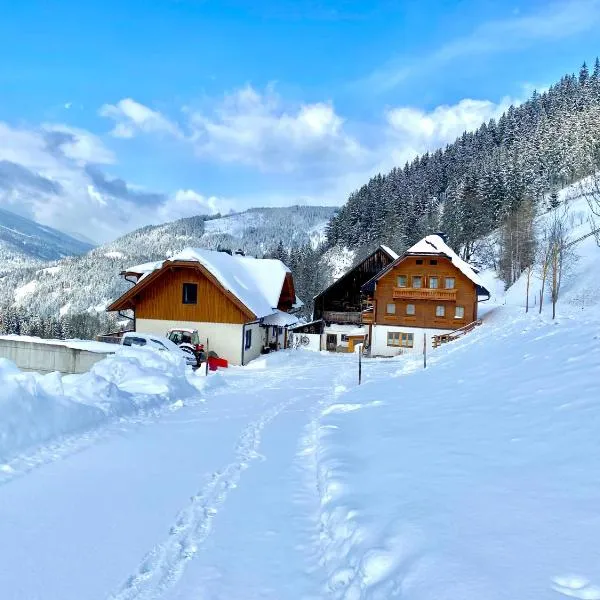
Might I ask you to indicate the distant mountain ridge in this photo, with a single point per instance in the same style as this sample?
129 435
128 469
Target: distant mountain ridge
25 242
90 281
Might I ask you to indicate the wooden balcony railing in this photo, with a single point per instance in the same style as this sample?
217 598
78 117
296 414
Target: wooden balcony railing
423 294
335 316
444 338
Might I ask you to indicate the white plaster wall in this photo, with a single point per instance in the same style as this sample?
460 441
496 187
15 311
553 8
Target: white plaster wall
224 338
258 341
379 345
314 341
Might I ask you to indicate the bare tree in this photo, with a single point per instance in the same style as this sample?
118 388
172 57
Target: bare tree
517 242
590 190
554 255
528 273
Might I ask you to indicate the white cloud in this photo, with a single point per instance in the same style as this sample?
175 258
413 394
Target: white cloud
553 21
250 128
185 203
80 145
131 118
413 127
51 174
259 130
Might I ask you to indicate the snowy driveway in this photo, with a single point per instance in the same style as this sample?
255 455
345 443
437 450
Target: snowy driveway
123 516
477 479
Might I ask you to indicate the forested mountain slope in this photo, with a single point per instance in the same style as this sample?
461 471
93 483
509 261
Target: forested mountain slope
25 242
89 282
484 178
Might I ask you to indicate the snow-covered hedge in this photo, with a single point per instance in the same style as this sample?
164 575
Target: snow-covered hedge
38 408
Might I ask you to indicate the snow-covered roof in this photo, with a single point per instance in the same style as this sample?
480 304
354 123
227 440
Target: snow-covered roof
387 249
281 319
256 282
145 268
434 244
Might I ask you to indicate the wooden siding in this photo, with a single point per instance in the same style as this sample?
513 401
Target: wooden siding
288 294
163 299
464 292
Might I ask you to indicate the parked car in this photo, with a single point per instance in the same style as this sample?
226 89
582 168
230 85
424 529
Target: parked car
189 341
133 338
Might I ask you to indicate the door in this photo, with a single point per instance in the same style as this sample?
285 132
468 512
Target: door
331 342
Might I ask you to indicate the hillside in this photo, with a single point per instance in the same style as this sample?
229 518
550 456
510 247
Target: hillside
24 243
486 177
90 281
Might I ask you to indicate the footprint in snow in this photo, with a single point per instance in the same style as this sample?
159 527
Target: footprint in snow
574 586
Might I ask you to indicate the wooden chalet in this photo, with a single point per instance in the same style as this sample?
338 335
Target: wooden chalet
427 292
238 304
340 305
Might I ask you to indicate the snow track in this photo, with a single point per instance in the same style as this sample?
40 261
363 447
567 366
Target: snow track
163 566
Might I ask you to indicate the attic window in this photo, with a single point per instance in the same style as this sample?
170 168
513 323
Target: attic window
433 261
190 293
419 261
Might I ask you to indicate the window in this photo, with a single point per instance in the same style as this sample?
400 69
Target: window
449 283
248 339
459 312
134 341
410 309
344 337
390 309
419 261
190 293
433 283
393 338
433 261
440 310
417 281
402 281
397 338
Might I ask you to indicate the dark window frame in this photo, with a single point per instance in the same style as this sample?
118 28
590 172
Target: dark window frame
185 296
248 339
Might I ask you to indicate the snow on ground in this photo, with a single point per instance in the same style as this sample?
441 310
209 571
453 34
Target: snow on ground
475 479
22 292
89 345
37 409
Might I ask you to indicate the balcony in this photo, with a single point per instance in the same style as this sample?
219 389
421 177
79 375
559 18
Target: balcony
423 294
368 317
340 317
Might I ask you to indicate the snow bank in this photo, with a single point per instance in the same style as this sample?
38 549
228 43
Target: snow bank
35 409
476 478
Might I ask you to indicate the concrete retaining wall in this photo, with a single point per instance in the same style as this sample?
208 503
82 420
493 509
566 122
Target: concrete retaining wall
47 358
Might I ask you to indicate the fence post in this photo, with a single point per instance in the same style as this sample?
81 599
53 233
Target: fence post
359 363
424 350
206 365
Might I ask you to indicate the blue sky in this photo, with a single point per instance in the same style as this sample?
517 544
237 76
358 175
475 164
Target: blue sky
149 111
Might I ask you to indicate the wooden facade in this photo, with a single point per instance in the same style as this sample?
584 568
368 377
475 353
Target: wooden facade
160 296
426 291
163 299
341 301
